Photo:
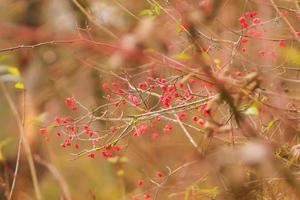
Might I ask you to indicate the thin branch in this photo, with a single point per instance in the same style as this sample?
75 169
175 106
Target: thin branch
57 175
103 28
26 145
285 20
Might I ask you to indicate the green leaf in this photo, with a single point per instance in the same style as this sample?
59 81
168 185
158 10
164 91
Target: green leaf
182 56
3 143
271 124
153 11
178 27
252 109
146 12
210 192
19 85
13 71
156 8
2 58
292 55
113 160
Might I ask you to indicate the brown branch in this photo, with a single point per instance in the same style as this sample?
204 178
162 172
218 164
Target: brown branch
26 145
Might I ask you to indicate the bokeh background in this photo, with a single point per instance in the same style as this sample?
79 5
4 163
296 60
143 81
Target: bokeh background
77 42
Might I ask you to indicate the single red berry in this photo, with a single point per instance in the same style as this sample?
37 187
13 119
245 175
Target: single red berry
69 101
168 128
134 100
185 25
116 148
195 118
74 108
115 85
92 155
244 49
146 196
58 134
192 81
140 183
181 85
43 131
159 174
116 103
242 19
76 146
244 40
201 122
58 120
85 127
182 115
282 43
283 13
256 20
252 14
237 73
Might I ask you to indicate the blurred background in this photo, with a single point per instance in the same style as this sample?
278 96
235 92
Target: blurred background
69 46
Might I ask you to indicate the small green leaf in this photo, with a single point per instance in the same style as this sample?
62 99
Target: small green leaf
13 71
252 109
211 192
292 55
271 124
19 85
182 56
146 12
3 143
156 9
2 58
178 27
113 160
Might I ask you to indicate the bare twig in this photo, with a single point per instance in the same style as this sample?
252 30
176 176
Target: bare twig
25 142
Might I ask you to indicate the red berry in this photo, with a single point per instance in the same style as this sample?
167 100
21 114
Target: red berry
201 122
195 118
116 148
282 43
238 73
69 101
168 128
256 20
85 127
159 174
244 49
43 131
58 120
139 183
92 155
76 146
146 196
182 115
244 40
